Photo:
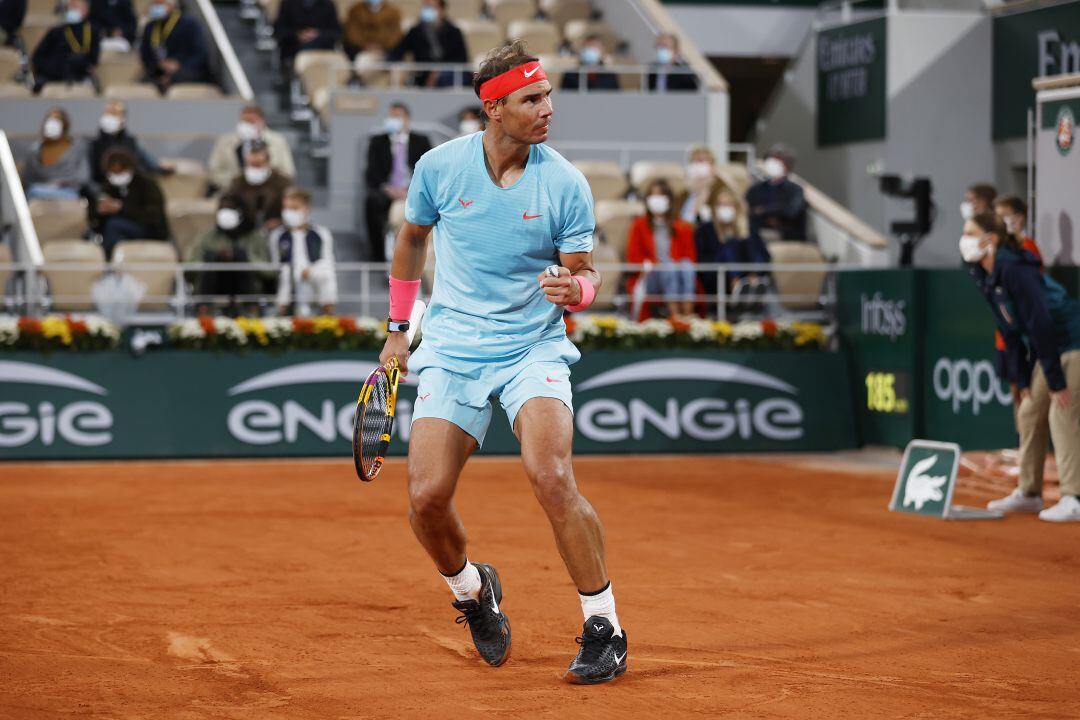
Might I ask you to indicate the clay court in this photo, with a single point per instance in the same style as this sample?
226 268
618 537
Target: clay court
749 589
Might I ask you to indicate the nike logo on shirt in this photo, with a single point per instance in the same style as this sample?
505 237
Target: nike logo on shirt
553 380
527 216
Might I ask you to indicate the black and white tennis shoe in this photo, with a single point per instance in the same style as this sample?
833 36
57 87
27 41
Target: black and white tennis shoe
602 656
489 626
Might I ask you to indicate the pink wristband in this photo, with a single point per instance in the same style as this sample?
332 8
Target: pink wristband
402 298
588 294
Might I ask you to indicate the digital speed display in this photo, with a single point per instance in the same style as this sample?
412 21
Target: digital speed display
887 392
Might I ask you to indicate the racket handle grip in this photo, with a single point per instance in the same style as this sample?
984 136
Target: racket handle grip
552 270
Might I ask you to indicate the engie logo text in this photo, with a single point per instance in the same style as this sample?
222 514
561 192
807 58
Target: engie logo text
83 422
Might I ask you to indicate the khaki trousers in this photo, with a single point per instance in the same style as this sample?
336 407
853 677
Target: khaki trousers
1039 419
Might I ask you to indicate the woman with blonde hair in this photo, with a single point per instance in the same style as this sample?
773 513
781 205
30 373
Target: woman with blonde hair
726 239
702 184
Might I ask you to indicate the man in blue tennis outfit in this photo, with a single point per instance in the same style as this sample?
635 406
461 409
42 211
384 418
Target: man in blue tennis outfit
504 209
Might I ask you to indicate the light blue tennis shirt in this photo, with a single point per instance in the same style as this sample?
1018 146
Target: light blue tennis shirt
492 242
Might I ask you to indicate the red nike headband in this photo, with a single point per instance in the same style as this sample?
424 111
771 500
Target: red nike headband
500 86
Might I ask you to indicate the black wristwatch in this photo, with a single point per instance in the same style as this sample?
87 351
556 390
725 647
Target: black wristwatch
396 325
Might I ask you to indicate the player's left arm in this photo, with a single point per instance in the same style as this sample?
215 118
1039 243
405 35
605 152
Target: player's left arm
565 290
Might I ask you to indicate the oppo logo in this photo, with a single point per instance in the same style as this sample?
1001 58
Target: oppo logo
84 423
960 382
707 419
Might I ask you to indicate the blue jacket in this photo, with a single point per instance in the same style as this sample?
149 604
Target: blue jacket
1033 312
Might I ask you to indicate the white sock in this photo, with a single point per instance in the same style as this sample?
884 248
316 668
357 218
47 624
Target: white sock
466 584
602 604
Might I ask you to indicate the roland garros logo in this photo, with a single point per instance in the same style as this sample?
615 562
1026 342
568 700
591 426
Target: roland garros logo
611 420
85 423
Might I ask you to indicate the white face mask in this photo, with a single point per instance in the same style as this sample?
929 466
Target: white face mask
53 129
428 14
725 214
967 210
247 131
775 168
393 125
468 127
111 124
658 204
699 170
73 16
294 218
121 179
971 249
256 176
664 55
228 218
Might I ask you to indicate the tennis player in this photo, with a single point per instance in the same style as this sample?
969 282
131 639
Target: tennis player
504 207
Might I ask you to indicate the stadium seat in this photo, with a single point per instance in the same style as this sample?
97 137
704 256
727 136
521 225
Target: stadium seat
118 68
606 254
556 66
14 91
645 171
70 289
632 82
504 12
613 220
54 219
34 28
464 9
409 8
270 9
371 77
160 282
41 7
736 176
5 274
10 63
542 37
60 91
607 179
312 67
187 183
804 283
194 91
342 6
188 219
561 12
142 7
576 31
480 35
132 91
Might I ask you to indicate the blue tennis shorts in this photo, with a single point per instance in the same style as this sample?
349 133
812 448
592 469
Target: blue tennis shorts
463 390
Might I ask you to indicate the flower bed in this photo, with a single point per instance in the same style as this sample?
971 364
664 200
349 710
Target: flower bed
598 332
55 332
319 333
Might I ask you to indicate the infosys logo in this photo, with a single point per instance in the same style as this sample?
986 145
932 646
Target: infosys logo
610 420
85 423
260 422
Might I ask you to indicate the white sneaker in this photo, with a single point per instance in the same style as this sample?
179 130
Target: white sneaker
1017 502
1067 510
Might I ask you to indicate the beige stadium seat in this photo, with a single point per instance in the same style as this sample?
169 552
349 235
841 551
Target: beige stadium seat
60 91
575 31
613 220
481 36
160 281
343 7
188 219
504 12
14 91
628 81
34 28
556 66
645 171
70 289
409 8
541 36
9 64
55 219
736 176
41 7
187 183
561 12
606 254
363 64
194 91
312 67
607 179
464 9
805 284
141 8
132 91
271 8
5 274
118 68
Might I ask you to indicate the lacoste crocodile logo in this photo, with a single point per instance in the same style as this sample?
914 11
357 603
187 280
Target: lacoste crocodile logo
921 488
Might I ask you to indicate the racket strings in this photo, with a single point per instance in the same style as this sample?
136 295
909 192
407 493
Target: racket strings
374 422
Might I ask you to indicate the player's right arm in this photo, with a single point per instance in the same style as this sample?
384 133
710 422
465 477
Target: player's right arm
410 252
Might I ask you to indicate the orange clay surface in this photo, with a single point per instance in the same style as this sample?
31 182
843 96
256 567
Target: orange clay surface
769 588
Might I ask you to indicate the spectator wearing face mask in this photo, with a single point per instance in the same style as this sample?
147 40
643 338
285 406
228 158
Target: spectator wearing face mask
702 184
69 51
227 156
591 58
669 71
173 48
306 25
979 198
725 238
391 158
115 19
777 205
659 237
112 134
306 254
233 239
129 205
372 25
470 120
434 39
12 14
57 166
260 188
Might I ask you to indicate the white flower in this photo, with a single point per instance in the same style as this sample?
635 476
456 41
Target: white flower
702 330
99 326
9 331
747 330
278 328
187 330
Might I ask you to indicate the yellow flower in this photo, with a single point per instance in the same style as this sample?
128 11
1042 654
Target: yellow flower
328 324
254 328
54 327
722 329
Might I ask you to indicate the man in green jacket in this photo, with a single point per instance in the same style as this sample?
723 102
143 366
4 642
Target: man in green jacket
129 206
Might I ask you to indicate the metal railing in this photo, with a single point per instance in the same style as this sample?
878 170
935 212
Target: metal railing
16 224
